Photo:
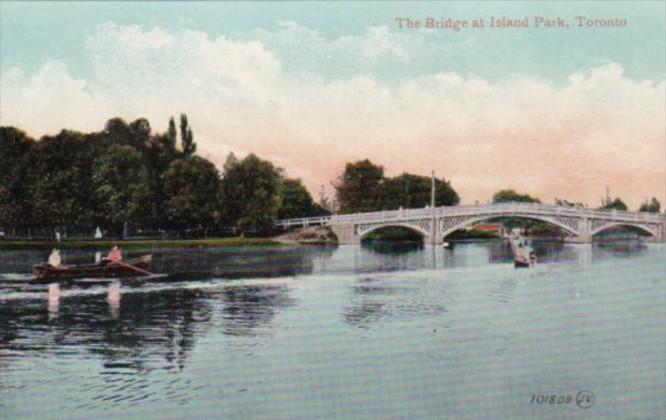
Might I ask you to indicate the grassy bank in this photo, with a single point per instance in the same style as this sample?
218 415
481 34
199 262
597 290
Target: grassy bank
138 244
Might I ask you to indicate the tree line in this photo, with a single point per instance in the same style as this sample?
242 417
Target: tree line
364 187
127 176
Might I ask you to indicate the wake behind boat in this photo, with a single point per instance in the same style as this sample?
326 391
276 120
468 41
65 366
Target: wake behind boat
103 269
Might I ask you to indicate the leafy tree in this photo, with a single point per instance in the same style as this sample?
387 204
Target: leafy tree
230 163
251 193
566 203
63 187
139 134
653 206
296 201
186 137
171 133
360 187
163 148
16 150
120 181
616 204
192 188
116 131
410 191
506 196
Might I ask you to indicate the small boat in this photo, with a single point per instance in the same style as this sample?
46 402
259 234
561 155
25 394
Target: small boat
523 254
103 269
520 261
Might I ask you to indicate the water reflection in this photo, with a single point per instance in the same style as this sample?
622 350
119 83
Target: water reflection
54 300
374 299
389 256
221 318
248 308
113 299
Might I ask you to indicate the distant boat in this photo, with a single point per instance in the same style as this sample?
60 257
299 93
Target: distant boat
103 269
523 254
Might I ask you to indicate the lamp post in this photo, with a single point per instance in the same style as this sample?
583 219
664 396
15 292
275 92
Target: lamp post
433 225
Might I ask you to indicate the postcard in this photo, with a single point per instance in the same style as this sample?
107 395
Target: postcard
364 210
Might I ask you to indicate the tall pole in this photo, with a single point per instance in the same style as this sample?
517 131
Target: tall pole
432 209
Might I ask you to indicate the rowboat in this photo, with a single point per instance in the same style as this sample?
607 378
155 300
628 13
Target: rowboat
523 254
103 269
521 261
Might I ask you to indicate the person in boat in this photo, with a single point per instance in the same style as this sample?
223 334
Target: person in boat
114 254
54 258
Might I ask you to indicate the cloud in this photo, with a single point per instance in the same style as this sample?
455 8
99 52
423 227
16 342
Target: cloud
244 93
48 99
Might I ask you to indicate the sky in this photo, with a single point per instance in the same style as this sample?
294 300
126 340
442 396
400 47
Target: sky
551 111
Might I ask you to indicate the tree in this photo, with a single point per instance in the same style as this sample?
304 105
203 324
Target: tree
63 190
139 134
16 178
251 193
360 187
186 137
566 203
120 181
296 201
507 196
171 133
116 131
192 190
410 191
616 204
653 206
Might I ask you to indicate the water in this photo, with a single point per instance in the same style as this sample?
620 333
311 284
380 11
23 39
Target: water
357 332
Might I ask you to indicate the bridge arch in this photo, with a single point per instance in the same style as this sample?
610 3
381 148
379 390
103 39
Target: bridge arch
638 226
414 228
474 220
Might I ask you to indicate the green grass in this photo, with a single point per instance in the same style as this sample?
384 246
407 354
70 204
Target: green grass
139 244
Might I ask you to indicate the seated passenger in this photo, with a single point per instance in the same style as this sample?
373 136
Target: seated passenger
54 258
114 254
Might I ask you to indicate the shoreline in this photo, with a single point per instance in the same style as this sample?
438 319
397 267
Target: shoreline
139 243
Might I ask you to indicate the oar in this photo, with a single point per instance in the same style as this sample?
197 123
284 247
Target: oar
140 270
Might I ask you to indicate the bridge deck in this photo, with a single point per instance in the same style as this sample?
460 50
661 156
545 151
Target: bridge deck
489 210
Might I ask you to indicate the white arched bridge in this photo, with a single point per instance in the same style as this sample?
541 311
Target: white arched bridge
577 223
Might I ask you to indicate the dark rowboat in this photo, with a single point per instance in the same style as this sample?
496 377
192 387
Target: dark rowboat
103 269
522 261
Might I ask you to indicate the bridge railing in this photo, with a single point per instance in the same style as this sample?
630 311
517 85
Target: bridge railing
303 221
498 209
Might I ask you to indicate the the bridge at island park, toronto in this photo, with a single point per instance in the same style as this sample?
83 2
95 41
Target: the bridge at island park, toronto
436 223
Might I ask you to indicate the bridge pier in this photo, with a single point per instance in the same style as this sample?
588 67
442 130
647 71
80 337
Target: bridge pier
436 240
346 234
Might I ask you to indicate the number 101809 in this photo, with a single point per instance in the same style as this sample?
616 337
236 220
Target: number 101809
551 399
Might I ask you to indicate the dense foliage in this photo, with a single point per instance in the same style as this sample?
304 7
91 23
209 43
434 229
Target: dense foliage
506 196
616 204
652 206
126 177
363 187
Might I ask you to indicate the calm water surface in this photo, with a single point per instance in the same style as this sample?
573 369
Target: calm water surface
357 332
